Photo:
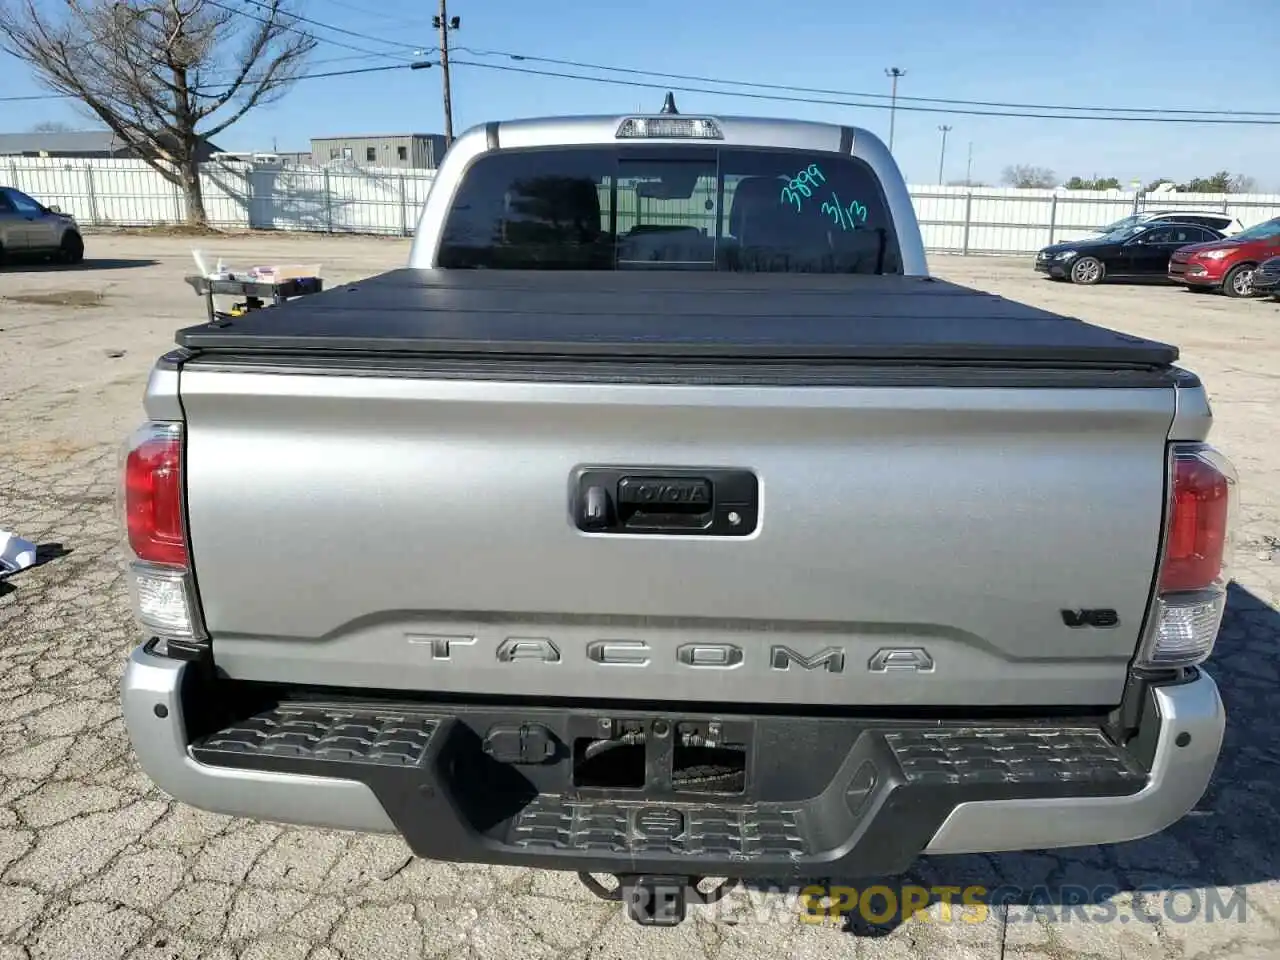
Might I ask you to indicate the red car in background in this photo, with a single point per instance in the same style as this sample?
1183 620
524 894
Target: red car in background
1226 264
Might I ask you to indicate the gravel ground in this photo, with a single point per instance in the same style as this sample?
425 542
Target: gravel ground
97 863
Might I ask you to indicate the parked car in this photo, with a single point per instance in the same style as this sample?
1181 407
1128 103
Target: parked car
1228 264
1224 223
1266 279
627 601
1140 251
30 229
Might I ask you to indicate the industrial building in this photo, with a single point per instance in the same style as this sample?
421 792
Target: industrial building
421 151
82 144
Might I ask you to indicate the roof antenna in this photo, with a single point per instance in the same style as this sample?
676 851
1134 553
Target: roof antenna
669 105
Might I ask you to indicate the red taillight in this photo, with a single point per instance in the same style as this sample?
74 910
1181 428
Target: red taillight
1198 526
153 499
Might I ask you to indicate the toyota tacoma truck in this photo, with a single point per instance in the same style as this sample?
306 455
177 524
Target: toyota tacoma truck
664 520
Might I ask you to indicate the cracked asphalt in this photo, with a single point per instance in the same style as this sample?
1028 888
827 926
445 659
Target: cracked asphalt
96 863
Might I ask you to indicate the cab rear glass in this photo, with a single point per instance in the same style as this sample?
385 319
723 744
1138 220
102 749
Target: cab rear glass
664 208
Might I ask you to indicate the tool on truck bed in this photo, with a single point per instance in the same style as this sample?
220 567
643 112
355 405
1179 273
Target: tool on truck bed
256 287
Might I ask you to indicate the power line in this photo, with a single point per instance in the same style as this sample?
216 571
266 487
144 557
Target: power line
284 25
37 96
329 26
853 93
852 103
349 73
366 12
227 86
1018 110
443 22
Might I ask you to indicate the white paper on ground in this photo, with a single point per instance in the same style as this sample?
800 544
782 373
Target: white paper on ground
15 554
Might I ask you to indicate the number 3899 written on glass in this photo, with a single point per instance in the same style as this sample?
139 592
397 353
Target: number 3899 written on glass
802 186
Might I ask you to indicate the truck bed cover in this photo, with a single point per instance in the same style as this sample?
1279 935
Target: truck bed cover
672 315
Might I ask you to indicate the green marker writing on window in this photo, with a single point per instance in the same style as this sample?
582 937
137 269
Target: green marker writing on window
802 186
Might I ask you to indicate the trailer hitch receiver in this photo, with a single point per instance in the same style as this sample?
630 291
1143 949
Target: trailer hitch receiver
655 900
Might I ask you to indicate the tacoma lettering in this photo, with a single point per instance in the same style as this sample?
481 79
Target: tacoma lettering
722 655
537 649
831 659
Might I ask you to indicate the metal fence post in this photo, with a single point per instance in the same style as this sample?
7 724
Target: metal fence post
250 196
93 197
1053 216
1137 199
404 213
328 203
968 209
13 174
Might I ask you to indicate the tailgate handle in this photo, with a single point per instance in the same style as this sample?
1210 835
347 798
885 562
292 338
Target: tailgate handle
660 504
713 502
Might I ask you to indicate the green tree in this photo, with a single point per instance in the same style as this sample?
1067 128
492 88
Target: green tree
1224 181
1093 183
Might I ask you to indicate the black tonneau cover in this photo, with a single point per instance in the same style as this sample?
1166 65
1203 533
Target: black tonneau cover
670 315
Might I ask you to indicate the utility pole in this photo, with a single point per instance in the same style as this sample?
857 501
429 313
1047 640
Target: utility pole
444 24
968 170
895 73
942 157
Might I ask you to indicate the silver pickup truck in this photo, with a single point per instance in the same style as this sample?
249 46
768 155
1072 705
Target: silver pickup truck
665 519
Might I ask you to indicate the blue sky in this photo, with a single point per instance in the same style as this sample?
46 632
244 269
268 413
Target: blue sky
1140 53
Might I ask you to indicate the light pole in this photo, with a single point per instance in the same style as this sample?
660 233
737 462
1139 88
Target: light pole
895 73
968 170
942 157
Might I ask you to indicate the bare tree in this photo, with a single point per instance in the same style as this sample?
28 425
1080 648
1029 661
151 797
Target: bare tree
1023 175
163 75
1243 183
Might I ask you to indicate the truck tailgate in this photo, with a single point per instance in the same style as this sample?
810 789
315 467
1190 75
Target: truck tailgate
916 545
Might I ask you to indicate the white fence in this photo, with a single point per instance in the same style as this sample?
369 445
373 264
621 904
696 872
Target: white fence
1008 220
237 196
982 220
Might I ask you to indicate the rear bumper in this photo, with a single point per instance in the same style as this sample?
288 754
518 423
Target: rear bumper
858 798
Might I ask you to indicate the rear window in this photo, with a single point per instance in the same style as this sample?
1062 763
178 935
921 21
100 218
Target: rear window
688 208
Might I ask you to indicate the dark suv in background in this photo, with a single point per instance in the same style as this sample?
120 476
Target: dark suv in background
1266 279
